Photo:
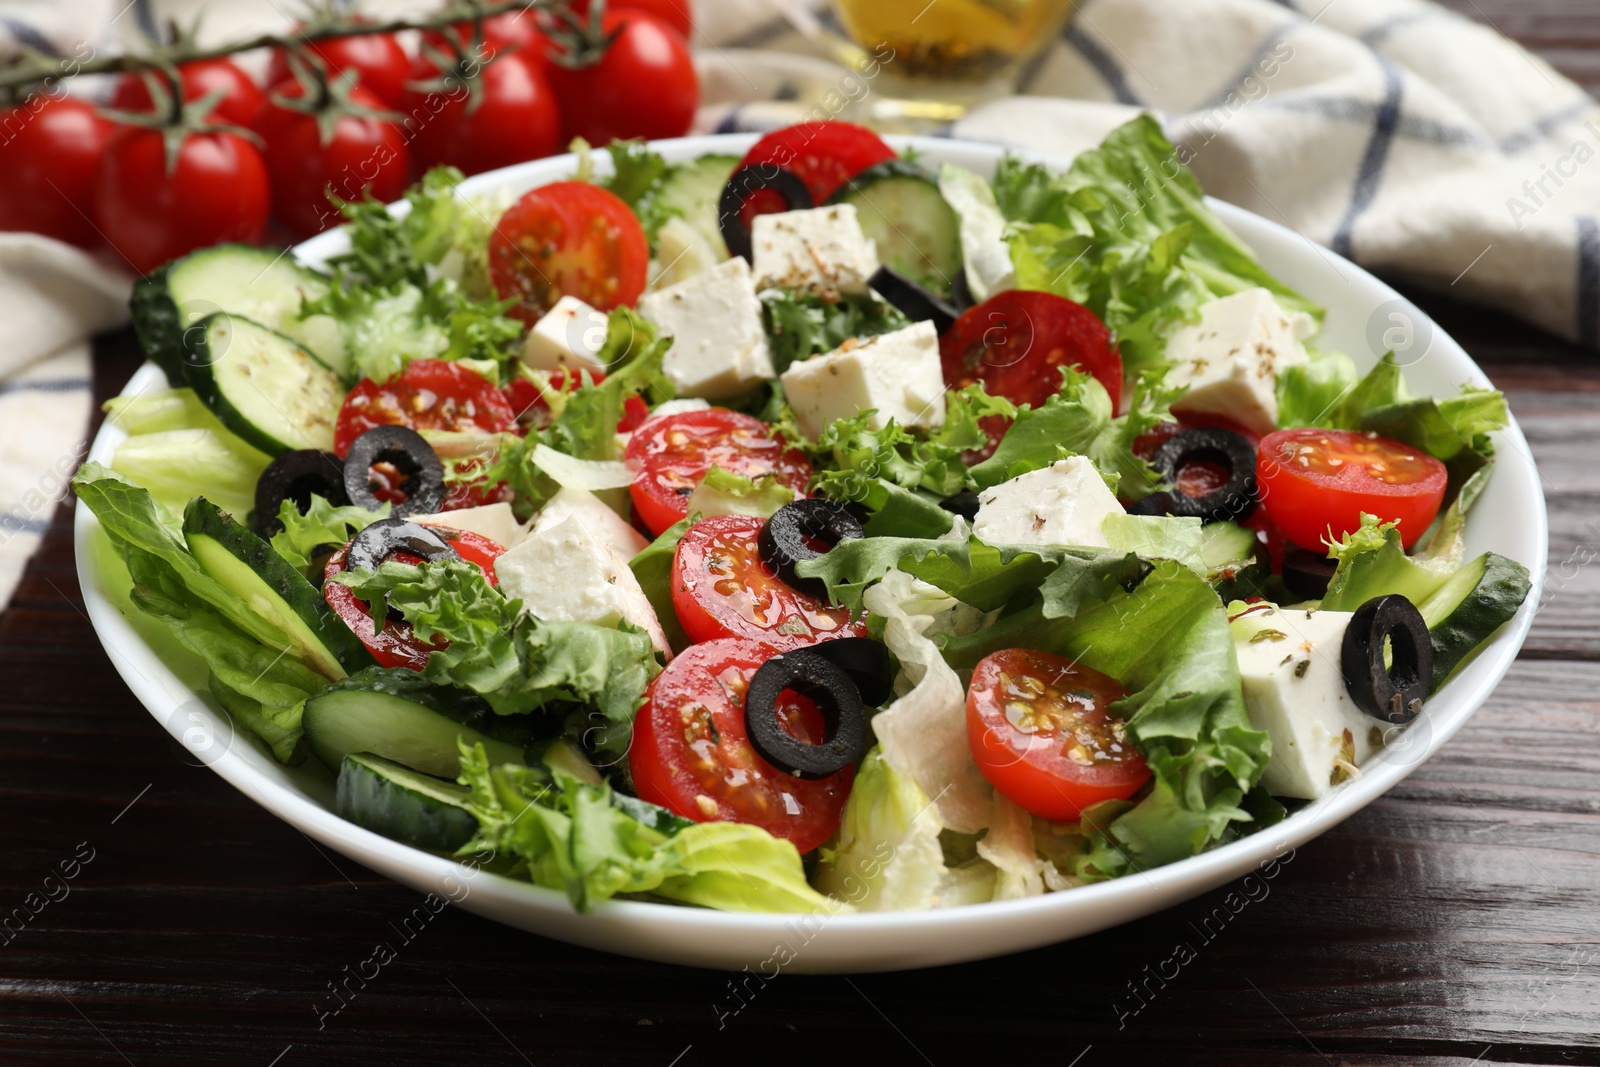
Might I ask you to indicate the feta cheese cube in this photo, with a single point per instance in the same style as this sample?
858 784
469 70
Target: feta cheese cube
493 521
594 513
1228 363
1065 503
680 406
897 375
569 337
566 571
1294 690
714 319
820 250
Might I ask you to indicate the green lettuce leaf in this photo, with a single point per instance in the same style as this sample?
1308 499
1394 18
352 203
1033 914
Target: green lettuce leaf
594 843
802 325
1311 393
177 449
637 178
723 492
653 567
886 855
322 524
585 425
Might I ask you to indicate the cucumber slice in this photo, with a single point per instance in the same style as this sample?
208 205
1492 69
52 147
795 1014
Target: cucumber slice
415 809
695 189
918 234
1464 612
1222 543
254 283
245 565
392 712
261 384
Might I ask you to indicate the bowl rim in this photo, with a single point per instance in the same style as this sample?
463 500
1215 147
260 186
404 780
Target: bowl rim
161 692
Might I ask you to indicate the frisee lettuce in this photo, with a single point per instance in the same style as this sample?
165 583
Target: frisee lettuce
323 524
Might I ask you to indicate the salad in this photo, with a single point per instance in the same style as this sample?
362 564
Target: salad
807 529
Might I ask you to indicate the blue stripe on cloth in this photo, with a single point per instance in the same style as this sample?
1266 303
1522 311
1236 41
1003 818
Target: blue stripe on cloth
1103 64
146 16
765 33
1365 112
44 385
1532 135
1273 42
1372 163
729 123
13 523
1589 282
27 36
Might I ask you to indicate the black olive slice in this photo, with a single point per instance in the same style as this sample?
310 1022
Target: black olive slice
1232 501
867 663
297 476
964 504
747 180
913 301
413 457
786 539
1394 692
387 536
1306 573
830 688
1153 504
961 291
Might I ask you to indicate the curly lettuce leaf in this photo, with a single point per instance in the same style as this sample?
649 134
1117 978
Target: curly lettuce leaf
723 492
594 843
802 325
585 425
637 177
322 524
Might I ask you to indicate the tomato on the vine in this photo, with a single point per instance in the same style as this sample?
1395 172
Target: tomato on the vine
361 155
1042 732
397 645
823 154
513 32
692 755
507 116
241 98
674 13
644 85
48 164
1016 343
381 64
1316 483
217 191
670 455
721 588
568 239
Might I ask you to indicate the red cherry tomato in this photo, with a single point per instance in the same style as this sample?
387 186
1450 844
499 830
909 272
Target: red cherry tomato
568 239
691 753
49 158
674 13
643 86
217 192
512 32
721 588
1315 481
670 455
513 119
824 155
1016 343
360 155
397 645
377 58
431 394
533 406
1041 729
240 104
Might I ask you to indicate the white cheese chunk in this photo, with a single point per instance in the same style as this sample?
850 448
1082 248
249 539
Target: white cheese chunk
1228 363
493 521
568 337
680 406
714 319
819 250
566 571
681 252
1065 503
1294 690
594 513
897 375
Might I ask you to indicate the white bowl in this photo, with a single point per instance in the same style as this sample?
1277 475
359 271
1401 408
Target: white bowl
1510 519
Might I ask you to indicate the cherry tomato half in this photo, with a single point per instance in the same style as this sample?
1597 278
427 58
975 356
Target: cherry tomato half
397 645
670 455
1041 729
691 754
1016 343
49 158
568 239
1315 481
241 98
721 588
824 155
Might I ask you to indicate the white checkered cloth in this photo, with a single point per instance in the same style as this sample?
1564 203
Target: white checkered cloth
1412 140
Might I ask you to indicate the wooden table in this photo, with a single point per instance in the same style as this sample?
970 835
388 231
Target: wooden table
1457 920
